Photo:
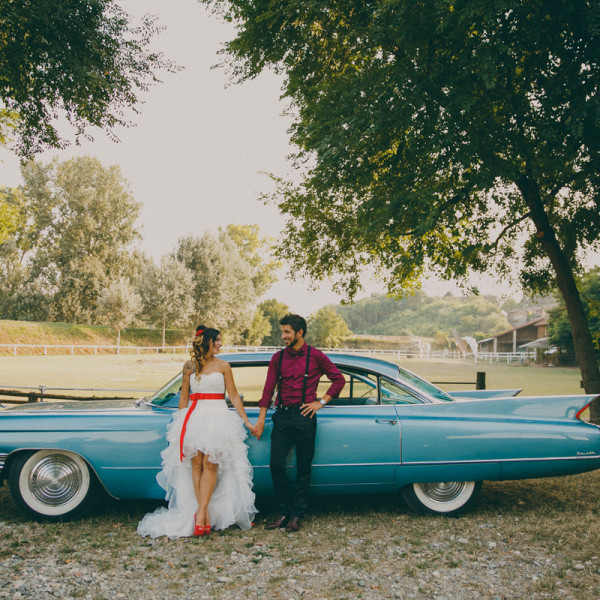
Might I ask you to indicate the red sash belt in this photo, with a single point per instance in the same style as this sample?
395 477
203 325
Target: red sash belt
194 398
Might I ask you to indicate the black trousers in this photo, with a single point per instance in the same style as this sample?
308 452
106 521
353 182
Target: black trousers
290 428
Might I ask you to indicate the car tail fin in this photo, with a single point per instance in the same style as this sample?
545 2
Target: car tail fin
590 413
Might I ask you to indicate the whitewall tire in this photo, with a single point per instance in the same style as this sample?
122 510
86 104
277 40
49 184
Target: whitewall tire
441 497
52 485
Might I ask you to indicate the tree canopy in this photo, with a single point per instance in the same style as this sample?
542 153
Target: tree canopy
76 234
274 311
85 61
223 288
255 250
118 305
67 253
326 328
166 292
437 137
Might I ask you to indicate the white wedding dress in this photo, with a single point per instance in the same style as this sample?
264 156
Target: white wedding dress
218 432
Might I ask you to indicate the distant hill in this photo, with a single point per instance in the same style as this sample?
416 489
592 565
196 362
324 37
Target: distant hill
421 315
26 332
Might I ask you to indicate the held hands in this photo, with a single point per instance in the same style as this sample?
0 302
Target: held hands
251 428
259 428
309 410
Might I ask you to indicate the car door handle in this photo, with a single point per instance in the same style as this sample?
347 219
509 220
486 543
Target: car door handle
386 421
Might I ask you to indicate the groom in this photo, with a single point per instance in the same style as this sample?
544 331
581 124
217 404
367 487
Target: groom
295 371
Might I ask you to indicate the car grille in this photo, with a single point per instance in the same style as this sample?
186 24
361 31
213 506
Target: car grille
2 461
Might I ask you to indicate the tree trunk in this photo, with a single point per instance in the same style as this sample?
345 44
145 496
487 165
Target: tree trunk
163 331
582 338
118 341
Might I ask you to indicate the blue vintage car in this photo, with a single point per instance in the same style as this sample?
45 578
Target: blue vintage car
390 431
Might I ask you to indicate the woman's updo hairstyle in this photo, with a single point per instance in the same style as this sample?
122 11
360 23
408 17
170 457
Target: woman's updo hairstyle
201 345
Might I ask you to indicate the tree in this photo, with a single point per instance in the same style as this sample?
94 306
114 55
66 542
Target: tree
436 137
255 251
259 328
167 294
83 60
10 216
81 219
273 311
118 305
223 289
326 328
559 329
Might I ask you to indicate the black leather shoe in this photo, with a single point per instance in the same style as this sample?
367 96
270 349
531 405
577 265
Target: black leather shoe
281 521
293 525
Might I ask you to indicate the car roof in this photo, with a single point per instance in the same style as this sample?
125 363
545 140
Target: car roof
346 360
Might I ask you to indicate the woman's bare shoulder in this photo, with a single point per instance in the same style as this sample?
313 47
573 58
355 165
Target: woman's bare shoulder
189 367
222 365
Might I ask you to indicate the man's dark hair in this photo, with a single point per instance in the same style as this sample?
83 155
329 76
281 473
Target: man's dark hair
296 322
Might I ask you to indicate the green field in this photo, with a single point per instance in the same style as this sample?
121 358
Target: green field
533 380
149 372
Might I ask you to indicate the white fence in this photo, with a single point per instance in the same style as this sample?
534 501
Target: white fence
87 349
45 349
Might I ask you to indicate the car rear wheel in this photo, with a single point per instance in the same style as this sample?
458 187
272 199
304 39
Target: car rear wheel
441 497
52 485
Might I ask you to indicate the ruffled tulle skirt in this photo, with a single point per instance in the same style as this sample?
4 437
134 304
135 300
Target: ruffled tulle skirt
219 433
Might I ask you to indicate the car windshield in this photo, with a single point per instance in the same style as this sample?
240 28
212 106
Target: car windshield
424 385
167 392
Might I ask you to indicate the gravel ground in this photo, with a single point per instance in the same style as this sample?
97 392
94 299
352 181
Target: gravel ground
531 539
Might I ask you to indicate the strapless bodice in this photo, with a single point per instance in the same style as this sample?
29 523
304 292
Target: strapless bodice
210 383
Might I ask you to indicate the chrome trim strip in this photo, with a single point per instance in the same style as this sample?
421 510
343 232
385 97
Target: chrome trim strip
441 463
499 460
157 468
3 458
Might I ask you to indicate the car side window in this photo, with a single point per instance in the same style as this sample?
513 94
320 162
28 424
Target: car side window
250 381
360 388
392 393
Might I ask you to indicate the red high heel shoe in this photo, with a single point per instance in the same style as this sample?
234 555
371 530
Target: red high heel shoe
206 529
198 529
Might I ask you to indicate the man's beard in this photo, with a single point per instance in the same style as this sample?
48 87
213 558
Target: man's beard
292 341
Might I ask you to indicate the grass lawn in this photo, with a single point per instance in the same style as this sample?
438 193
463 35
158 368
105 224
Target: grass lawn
535 381
146 372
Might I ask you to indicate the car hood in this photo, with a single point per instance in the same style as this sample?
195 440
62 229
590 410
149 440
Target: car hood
72 406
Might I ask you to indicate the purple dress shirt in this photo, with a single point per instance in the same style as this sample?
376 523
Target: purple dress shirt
293 367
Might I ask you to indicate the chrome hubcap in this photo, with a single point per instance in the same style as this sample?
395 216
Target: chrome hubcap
444 491
55 480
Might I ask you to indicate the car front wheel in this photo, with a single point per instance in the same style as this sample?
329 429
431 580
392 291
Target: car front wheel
52 485
441 497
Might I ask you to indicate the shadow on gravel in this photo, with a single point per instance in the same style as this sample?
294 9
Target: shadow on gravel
575 494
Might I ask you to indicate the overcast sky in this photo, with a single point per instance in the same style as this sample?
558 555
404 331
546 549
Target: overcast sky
197 157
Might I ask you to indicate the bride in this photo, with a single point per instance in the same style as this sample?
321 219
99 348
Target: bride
205 467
